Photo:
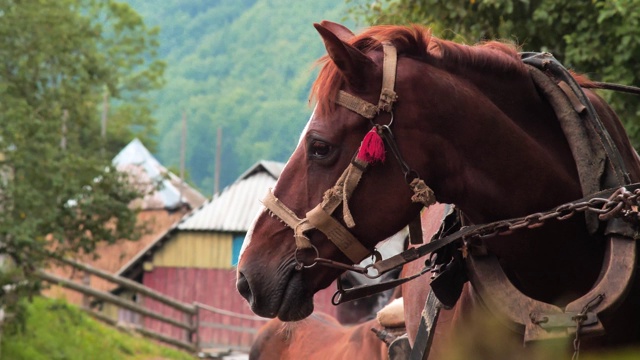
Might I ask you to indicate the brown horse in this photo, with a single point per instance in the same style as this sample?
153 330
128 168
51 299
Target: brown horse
320 337
471 123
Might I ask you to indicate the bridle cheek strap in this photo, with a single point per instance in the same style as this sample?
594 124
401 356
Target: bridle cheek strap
320 217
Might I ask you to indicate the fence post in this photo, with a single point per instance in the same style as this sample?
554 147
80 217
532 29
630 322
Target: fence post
140 300
86 281
195 321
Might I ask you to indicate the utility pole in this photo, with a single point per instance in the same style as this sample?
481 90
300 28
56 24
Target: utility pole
105 112
216 171
63 139
103 120
183 145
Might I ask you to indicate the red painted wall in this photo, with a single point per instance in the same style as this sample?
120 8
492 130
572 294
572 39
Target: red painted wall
216 288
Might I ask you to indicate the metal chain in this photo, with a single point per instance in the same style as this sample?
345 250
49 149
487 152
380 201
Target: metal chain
579 319
622 203
576 342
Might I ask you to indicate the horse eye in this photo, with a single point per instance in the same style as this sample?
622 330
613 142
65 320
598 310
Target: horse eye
319 149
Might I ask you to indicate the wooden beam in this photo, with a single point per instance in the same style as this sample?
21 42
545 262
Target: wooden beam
101 295
145 332
132 285
166 339
215 325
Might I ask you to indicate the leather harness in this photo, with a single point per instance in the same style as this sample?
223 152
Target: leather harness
535 319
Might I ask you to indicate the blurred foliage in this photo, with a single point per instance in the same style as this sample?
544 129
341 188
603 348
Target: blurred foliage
59 193
244 66
56 330
600 38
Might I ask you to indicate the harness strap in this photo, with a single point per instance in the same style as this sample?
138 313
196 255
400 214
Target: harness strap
387 94
426 330
320 217
357 105
361 291
353 174
546 61
299 226
338 235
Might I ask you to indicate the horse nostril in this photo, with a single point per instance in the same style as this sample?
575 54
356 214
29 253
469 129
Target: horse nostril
242 284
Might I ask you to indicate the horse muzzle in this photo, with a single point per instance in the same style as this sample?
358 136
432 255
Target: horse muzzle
288 298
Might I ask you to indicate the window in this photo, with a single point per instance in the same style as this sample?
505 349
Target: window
238 239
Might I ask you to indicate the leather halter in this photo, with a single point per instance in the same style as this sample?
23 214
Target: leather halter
320 217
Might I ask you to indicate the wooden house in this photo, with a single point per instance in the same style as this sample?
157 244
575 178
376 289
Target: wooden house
194 262
160 210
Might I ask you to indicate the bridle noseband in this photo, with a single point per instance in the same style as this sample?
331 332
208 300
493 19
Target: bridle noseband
320 217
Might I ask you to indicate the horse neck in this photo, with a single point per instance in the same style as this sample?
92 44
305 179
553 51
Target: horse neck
493 146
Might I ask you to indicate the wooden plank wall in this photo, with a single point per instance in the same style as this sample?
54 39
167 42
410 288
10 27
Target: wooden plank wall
216 288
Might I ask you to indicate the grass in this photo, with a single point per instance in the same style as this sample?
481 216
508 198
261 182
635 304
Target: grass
55 330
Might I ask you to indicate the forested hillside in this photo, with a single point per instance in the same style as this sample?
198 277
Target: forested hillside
245 66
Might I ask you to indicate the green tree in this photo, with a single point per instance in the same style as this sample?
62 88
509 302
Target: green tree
58 190
244 66
599 37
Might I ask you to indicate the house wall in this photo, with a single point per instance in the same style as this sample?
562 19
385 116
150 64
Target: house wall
216 288
202 250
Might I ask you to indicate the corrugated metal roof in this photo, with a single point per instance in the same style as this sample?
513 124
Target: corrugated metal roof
147 171
236 206
272 167
233 209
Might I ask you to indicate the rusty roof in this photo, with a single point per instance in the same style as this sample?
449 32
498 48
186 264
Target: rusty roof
146 171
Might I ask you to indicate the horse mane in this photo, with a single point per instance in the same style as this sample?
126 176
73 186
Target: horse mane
417 42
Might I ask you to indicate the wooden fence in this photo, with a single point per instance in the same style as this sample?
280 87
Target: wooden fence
191 313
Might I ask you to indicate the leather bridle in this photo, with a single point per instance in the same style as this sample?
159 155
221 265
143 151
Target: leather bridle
321 217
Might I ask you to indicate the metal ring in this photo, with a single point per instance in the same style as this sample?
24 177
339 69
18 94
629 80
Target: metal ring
409 172
335 299
376 256
376 274
390 121
387 125
299 264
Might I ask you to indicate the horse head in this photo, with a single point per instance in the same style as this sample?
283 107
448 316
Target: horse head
267 275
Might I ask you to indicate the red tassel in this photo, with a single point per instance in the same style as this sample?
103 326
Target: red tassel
372 147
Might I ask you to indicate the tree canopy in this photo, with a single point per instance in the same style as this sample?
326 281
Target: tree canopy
58 59
598 38
244 66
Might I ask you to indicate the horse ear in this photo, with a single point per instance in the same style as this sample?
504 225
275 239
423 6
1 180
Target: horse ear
341 31
353 63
